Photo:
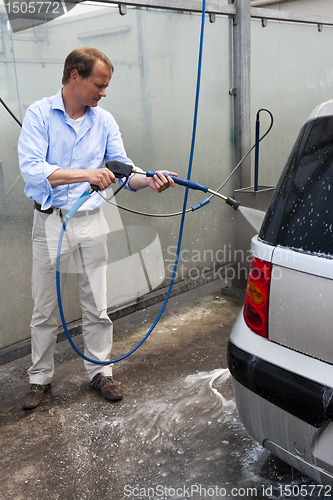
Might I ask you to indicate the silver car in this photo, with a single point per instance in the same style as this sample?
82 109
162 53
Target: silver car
280 352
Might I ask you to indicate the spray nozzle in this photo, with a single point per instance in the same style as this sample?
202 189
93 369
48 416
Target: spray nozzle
233 203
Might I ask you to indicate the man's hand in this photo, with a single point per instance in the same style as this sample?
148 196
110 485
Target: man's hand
159 182
101 177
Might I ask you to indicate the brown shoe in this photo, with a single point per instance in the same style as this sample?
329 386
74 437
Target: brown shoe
34 396
109 388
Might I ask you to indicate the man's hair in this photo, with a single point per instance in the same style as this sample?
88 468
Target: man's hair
84 59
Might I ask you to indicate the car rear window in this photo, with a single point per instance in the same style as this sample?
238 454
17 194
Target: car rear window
300 215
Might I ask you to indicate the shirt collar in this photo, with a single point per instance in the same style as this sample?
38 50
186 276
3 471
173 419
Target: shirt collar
58 103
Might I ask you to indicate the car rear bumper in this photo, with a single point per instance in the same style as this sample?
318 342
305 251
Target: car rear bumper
306 399
286 413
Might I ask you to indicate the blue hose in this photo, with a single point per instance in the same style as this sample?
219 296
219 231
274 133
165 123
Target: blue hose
85 196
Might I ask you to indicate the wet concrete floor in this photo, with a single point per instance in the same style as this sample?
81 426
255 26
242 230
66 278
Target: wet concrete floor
176 434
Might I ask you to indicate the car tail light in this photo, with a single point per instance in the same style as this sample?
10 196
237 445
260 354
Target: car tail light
257 294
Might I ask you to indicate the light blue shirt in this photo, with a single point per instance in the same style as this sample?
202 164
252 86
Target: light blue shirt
48 141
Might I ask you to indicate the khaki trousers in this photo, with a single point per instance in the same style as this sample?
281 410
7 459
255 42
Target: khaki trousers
85 240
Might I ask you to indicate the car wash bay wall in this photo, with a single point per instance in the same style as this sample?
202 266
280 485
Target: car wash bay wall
152 96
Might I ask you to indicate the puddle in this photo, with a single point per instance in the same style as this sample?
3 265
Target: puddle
164 418
184 435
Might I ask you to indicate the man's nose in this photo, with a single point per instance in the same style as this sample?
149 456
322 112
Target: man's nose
102 93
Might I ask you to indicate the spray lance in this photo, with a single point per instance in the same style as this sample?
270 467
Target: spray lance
195 185
121 170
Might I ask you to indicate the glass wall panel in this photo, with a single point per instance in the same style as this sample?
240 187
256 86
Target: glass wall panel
291 73
152 96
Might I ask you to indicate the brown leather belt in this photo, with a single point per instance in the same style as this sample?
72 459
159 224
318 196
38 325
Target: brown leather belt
61 211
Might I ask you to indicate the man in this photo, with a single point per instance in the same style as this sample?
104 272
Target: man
64 142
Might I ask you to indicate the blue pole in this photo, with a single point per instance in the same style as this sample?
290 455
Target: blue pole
256 157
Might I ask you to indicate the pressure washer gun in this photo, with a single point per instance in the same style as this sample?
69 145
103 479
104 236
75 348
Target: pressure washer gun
123 170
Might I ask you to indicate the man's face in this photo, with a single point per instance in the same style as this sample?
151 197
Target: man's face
89 91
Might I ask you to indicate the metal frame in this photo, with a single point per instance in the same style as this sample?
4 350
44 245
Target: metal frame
224 10
294 17
176 5
229 10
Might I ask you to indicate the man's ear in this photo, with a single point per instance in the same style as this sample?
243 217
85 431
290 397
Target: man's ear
74 75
